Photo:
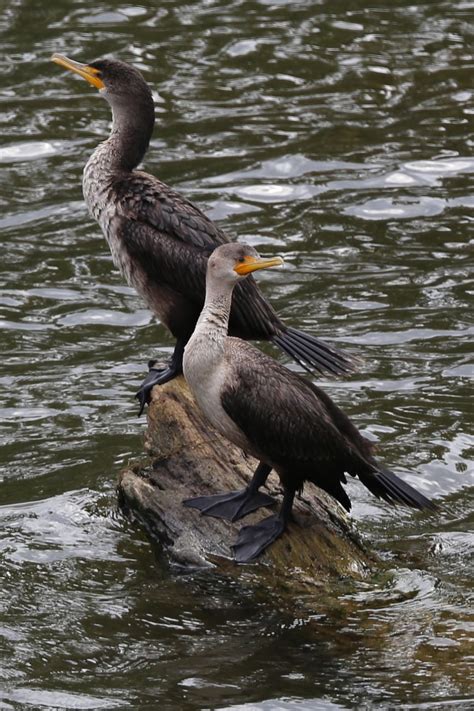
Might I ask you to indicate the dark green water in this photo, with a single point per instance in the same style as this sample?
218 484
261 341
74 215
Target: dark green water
338 134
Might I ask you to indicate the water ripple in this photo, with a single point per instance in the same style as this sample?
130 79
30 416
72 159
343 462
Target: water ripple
338 137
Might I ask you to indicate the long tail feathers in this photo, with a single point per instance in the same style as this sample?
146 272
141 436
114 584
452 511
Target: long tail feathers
388 486
313 354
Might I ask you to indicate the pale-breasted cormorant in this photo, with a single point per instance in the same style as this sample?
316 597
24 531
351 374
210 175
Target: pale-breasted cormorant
161 241
280 418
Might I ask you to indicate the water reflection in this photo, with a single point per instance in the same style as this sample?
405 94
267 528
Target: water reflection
337 135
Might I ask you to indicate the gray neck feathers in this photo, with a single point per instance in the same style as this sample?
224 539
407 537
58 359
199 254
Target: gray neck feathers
211 329
216 311
105 160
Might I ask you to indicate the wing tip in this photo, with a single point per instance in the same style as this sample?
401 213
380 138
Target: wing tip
398 491
315 355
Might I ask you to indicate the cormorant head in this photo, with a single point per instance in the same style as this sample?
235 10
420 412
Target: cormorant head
232 262
118 82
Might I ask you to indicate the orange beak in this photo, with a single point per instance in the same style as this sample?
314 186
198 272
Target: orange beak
90 74
251 264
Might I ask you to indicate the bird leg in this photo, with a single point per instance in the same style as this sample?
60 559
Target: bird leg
236 504
158 376
253 540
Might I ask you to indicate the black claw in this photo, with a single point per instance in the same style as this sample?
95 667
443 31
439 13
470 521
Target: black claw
230 506
153 378
253 540
158 376
142 400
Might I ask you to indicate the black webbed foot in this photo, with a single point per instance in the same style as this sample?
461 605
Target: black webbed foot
252 540
159 376
155 377
230 506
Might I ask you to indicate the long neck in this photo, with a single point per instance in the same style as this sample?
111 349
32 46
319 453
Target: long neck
132 128
213 323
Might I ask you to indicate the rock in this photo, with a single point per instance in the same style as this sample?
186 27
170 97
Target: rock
185 457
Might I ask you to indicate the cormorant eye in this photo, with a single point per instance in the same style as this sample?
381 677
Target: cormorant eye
242 260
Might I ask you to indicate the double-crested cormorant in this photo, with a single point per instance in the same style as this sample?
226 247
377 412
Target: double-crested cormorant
161 241
283 420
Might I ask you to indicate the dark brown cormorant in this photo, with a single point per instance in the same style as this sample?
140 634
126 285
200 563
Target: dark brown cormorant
160 241
283 420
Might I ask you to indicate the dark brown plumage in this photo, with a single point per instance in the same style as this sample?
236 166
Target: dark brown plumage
161 241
